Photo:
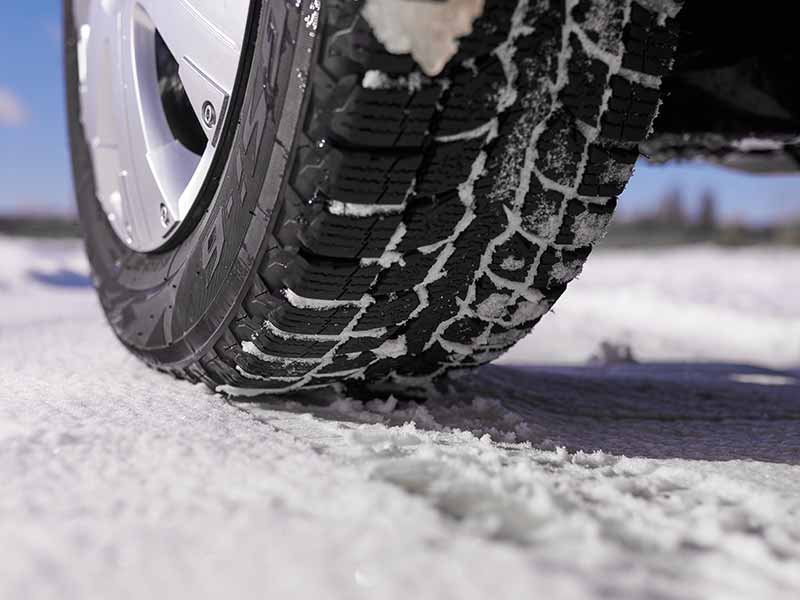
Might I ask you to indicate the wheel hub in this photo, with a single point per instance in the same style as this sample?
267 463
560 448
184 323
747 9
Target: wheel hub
156 78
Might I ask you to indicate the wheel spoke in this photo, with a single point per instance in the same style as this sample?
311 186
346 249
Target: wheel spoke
97 66
180 163
205 37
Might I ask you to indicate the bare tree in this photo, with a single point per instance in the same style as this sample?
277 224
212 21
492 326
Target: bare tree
707 219
671 212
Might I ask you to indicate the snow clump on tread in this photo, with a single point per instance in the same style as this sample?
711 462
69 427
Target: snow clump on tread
429 31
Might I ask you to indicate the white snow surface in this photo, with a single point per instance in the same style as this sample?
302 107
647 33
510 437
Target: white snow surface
655 480
693 303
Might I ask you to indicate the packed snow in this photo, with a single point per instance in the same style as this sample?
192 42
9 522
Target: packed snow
429 31
542 475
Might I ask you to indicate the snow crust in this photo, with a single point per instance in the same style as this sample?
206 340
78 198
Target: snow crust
631 481
429 31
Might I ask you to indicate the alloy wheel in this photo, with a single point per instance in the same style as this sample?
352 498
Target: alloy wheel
156 79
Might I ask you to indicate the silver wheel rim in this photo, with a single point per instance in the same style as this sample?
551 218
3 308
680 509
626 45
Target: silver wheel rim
147 176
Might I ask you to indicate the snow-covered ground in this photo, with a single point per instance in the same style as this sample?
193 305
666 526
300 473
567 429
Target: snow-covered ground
655 480
687 304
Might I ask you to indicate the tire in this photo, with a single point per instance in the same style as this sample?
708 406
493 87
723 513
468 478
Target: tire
377 228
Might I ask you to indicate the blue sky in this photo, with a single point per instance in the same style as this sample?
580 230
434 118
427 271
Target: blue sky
34 162
34 168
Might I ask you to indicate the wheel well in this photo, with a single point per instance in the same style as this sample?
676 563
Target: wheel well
736 72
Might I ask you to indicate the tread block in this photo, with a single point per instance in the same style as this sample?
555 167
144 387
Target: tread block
607 171
538 51
345 362
362 344
328 279
602 21
385 118
630 113
246 327
559 267
560 149
401 277
357 177
585 223
429 221
541 211
354 42
443 294
488 31
447 166
270 342
471 99
649 46
514 258
340 236
322 322
490 301
583 94
425 362
464 330
274 368
393 310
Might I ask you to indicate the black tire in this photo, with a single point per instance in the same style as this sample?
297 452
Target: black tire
376 227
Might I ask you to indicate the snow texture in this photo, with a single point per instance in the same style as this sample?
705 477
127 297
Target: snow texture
696 304
655 480
429 31
353 209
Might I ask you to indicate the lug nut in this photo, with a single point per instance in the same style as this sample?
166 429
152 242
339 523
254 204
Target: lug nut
165 219
209 114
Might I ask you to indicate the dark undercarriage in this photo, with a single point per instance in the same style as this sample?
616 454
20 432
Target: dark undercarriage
734 94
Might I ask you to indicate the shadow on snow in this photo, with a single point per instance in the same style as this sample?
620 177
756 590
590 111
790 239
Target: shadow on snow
696 411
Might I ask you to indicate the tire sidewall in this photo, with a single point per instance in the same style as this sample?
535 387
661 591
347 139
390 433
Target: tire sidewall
171 306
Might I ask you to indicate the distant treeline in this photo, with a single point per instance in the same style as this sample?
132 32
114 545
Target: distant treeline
39 226
669 224
672 224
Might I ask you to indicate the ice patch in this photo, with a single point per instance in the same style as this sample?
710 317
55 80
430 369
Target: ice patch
429 31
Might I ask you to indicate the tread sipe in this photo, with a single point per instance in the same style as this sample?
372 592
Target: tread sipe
430 223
